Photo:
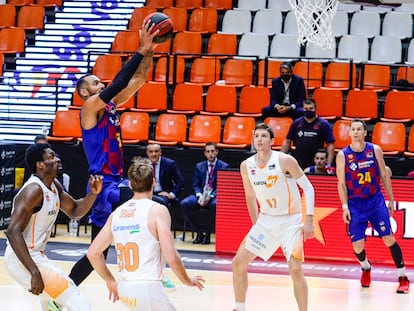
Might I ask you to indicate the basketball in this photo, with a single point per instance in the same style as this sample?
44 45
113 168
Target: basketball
163 23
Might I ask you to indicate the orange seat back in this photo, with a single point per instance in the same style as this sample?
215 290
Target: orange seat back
107 66
188 97
341 133
238 72
390 136
134 125
204 128
338 75
361 104
238 130
171 128
67 124
280 128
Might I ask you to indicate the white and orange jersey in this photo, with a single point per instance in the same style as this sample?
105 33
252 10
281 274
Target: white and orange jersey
138 251
37 232
276 193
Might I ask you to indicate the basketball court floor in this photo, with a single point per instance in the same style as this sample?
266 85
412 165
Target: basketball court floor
331 285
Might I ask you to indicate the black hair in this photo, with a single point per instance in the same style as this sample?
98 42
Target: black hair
361 121
35 154
81 83
39 137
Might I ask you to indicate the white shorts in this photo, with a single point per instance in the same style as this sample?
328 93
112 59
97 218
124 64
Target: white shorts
271 232
58 285
144 296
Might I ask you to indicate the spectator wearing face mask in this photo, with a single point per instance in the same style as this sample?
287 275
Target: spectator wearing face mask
286 95
308 134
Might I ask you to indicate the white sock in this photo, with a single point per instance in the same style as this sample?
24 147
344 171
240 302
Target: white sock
240 306
365 264
401 271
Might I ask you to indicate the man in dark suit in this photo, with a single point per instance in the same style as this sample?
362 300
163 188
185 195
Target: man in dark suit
287 94
169 181
204 197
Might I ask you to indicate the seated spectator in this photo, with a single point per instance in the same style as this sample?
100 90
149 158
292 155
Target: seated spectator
169 181
204 197
321 166
286 95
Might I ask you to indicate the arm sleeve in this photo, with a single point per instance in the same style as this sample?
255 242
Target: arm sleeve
121 80
309 192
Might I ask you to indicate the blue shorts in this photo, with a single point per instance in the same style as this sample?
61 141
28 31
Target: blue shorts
372 210
105 200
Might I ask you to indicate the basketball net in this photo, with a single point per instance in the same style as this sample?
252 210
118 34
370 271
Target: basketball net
314 20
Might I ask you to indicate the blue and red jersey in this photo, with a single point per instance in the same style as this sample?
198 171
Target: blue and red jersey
361 172
103 145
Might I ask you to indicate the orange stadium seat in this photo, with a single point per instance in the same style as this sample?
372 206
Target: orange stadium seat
329 103
77 101
341 133
49 3
66 126
280 127
238 132
219 4
337 75
205 71
152 97
238 72
178 16
311 72
203 20
203 129
12 40
187 42
376 77
134 127
390 136
107 66
406 73
159 4
222 44
20 2
399 107
221 100
170 130
175 72
187 99
125 42
251 101
31 17
7 15
362 104
410 144
189 4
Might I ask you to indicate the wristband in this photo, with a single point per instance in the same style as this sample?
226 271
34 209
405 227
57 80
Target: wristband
345 206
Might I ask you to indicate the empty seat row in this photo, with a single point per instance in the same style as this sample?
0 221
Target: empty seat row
362 23
190 99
